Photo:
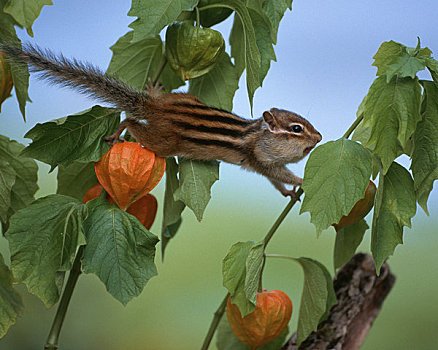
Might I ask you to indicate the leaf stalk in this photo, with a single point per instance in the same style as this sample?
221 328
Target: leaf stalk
55 330
280 256
198 17
215 322
282 216
159 70
353 126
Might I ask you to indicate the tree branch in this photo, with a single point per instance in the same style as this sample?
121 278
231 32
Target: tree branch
360 294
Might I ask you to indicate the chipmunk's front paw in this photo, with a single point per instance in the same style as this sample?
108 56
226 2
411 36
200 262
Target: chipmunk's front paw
291 193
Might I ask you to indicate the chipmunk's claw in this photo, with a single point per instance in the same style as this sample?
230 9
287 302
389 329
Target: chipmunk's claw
291 193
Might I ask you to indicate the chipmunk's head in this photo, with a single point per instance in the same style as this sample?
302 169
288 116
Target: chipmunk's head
288 135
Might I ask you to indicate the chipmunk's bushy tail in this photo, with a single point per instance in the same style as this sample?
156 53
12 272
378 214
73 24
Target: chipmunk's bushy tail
80 76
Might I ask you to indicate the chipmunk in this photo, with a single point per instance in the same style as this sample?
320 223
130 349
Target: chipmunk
179 124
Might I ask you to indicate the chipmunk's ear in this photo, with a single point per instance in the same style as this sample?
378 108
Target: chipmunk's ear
271 121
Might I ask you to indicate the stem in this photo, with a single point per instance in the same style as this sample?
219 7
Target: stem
198 17
353 126
282 216
220 311
215 322
159 70
52 339
279 256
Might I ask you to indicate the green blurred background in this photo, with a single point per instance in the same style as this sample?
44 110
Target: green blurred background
324 55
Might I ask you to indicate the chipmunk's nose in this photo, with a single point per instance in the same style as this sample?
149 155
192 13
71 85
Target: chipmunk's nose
318 137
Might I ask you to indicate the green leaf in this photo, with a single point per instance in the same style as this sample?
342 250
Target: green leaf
119 250
347 240
153 15
262 28
425 153
362 133
387 53
7 180
432 66
195 180
392 110
25 185
19 70
254 266
76 179
212 16
11 305
395 205
136 62
78 137
167 233
333 188
20 77
275 10
7 22
217 87
172 208
317 299
393 59
244 47
43 239
25 12
226 340
241 272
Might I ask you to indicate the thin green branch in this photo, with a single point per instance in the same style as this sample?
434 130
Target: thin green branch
280 256
159 70
215 322
353 126
52 339
282 216
198 17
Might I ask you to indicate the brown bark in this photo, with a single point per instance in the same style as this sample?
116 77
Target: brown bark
360 293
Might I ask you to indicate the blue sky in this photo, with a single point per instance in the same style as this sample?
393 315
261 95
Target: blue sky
323 69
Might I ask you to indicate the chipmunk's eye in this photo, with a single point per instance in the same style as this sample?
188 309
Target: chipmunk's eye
295 128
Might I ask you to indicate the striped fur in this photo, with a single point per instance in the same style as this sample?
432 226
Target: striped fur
178 124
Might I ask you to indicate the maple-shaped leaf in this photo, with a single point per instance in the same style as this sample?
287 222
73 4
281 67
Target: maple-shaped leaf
394 58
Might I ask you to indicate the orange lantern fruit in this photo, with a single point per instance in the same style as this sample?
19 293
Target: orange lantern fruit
268 320
360 209
144 209
128 172
92 193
